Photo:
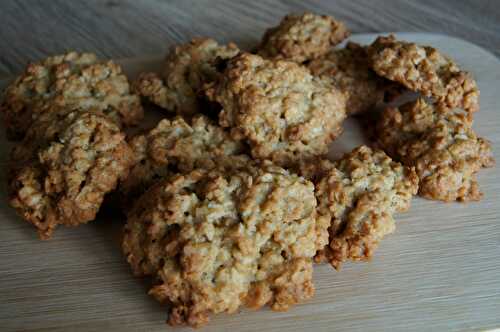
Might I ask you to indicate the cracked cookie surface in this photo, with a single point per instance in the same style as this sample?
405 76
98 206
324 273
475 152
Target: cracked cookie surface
302 37
424 69
357 196
65 166
349 68
176 145
187 68
221 239
442 146
69 80
283 112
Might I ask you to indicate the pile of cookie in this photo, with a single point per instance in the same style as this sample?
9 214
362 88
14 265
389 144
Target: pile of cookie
230 199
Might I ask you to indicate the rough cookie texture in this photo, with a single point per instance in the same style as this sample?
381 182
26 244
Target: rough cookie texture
278 107
426 70
349 68
64 167
68 80
216 240
440 143
175 145
187 68
357 196
303 37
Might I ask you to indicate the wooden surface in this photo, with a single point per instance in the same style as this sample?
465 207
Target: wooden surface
129 28
439 271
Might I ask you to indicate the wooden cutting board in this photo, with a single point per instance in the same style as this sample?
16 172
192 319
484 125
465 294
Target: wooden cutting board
439 271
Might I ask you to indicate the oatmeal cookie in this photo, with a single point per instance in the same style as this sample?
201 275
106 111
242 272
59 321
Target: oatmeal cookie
278 107
440 143
349 68
424 69
175 145
218 240
68 80
303 37
59 175
357 196
187 68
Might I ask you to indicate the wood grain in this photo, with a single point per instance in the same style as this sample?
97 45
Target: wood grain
128 28
439 271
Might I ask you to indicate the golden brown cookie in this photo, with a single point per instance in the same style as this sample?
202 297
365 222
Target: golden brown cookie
349 68
424 69
68 80
176 145
357 196
303 37
218 240
282 111
64 167
440 143
187 68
